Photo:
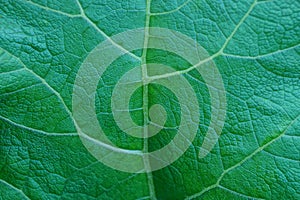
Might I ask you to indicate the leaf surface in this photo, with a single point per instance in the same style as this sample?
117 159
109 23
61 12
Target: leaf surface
255 46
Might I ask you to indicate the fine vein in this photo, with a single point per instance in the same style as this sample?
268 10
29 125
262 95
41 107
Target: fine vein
113 148
220 52
34 130
14 188
174 10
261 55
104 34
83 15
244 160
53 10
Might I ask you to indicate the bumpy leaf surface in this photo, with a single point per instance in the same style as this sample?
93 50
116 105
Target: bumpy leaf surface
254 44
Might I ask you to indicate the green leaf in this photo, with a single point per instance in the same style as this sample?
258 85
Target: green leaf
254 44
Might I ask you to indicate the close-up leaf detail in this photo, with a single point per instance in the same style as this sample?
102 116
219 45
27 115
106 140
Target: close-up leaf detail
250 47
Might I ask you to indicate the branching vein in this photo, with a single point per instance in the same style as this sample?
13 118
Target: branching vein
14 188
83 15
53 10
258 150
36 130
220 52
262 55
174 10
104 34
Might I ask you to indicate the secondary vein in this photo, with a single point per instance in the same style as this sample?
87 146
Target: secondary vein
84 16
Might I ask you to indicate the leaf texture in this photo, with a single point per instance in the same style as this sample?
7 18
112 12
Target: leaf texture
255 46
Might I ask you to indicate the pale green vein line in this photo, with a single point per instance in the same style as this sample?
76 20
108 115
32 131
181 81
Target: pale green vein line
174 10
44 82
20 90
238 26
143 198
12 72
273 105
265 1
237 193
104 34
244 160
52 10
14 188
152 78
221 160
83 15
280 157
145 101
36 130
202 192
75 173
262 55
122 182
292 136
145 74
220 52
137 152
70 114
110 147
274 72
48 86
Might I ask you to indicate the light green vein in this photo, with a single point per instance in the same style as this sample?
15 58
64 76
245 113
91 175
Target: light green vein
145 101
174 10
220 52
14 188
44 83
258 150
69 113
237 193
84 16
262 55
36 130
52 10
